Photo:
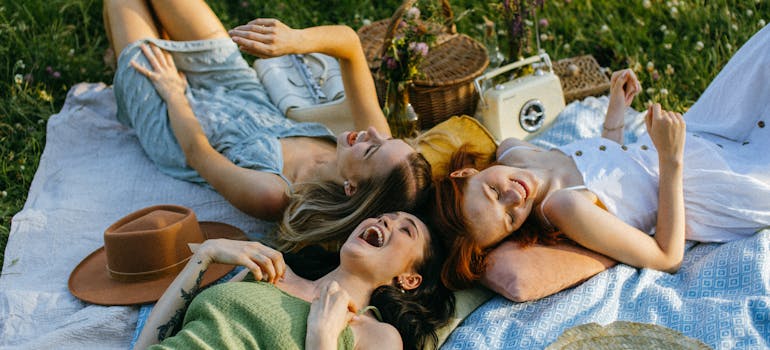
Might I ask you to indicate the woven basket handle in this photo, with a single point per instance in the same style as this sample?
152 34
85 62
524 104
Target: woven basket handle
398 16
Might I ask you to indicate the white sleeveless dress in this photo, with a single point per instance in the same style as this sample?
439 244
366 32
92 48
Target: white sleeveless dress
726 158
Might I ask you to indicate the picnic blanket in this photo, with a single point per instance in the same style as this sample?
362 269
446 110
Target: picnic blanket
720 296
93 172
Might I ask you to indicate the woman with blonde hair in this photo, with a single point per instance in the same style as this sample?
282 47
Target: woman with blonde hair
202 115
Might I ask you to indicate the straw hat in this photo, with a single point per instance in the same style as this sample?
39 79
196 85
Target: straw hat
624 335
142 254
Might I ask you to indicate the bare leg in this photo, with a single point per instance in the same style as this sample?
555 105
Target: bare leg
128 21
185 20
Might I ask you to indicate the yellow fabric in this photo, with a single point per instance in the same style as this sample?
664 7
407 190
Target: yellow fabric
441 141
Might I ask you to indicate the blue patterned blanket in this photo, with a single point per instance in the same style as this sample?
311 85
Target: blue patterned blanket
719 296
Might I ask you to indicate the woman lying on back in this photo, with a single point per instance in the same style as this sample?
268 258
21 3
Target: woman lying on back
385 294
609 197
210 120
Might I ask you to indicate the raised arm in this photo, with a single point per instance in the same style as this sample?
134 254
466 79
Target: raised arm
256 193
576 215
264 37
168 313
623 88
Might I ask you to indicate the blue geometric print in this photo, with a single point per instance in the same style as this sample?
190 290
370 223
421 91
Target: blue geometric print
721 296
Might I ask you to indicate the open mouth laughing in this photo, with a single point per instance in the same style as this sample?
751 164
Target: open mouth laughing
374 236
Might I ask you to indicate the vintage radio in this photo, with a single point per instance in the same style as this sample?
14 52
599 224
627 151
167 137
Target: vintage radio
521 107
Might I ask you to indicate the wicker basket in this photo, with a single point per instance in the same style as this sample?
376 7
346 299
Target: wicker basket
581 77
452 63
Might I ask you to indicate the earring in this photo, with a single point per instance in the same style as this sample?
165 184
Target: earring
346 183
400 285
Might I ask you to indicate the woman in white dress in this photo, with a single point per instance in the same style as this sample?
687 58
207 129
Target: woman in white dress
636 203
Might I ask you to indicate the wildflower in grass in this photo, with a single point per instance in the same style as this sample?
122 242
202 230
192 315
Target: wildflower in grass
3 194
647 4
44 95
544 37
543 23
49 69
71 52
366 21
650 66
650 91
762 23
56 75
244 4
663 92
413 13
699 46
637 67
667 46
734 27
21 167
604 28
28 78
674 12
664 29
19 65
728 47
669 69
749 13
566 46
18 79
648 103
655 75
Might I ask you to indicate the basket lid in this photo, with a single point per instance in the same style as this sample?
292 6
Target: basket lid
452 59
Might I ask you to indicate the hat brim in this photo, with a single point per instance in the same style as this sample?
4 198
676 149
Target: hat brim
90 281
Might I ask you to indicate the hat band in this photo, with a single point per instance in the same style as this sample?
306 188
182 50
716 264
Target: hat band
147 275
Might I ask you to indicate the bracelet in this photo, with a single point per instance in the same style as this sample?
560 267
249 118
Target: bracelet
613 129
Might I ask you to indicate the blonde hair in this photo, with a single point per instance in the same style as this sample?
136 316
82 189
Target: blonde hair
320 212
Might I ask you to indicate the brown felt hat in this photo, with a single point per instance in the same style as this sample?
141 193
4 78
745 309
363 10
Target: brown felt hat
142 254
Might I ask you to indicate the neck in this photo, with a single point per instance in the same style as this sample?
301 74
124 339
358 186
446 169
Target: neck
359 289
557 171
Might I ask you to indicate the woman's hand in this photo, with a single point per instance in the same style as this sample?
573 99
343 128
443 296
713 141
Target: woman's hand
667 131
264 262
266 37
329 314
624 86
168 81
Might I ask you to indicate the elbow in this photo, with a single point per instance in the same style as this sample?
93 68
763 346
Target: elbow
672 264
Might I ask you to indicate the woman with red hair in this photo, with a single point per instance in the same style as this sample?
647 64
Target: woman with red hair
635 203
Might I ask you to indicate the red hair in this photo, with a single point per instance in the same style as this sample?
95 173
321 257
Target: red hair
466 259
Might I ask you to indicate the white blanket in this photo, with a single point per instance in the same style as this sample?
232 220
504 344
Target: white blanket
92 172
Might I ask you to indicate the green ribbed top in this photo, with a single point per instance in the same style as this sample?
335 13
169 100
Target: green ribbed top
246 315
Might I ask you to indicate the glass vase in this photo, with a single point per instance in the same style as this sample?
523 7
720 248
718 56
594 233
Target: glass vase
402 119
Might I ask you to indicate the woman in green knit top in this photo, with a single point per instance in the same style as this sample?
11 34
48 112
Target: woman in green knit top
385 294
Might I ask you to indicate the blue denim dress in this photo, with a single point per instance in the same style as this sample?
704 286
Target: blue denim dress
226 96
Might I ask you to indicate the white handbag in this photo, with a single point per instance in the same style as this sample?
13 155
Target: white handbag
307 88
521 107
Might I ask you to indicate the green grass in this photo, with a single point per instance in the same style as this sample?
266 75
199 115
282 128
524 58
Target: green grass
46 46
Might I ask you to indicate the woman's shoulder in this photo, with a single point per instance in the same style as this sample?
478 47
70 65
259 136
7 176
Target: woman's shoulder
371 333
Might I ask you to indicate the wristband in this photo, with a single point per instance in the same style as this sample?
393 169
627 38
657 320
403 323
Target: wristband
604 126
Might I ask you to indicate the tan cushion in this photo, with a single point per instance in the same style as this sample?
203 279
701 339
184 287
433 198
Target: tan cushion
524 274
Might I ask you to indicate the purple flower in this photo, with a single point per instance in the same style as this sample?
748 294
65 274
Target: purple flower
419 48
49 70
391 63
56 74
28 78
543 23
